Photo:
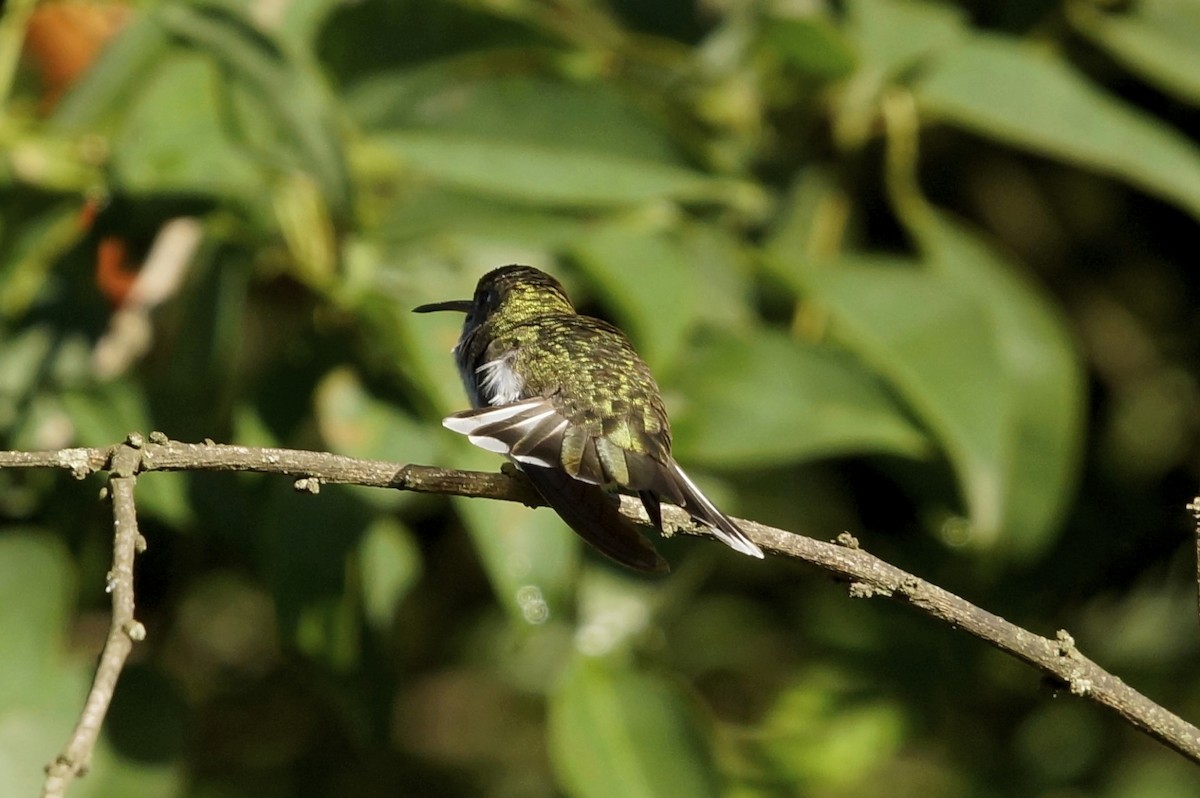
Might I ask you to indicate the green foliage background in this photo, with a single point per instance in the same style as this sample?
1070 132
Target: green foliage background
917 270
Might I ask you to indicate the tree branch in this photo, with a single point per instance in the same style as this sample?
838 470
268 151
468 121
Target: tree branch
868 575
123 630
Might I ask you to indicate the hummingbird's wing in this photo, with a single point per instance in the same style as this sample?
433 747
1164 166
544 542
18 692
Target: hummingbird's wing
591 512
532 432
535 434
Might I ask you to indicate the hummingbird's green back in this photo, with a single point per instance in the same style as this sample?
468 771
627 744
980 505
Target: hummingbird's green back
568 398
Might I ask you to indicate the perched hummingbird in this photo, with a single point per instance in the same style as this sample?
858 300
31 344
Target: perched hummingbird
569 400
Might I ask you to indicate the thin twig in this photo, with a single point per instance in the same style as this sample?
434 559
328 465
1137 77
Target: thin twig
123 631
1194 508
868 575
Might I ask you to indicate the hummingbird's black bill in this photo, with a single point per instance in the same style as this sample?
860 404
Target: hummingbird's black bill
461 305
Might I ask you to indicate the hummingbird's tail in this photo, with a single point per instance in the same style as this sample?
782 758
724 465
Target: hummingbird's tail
685 493
591 512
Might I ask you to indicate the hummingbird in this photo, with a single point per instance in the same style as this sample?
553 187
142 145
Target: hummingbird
568 399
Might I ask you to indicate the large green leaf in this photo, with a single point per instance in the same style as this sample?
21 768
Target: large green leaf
463 96
551 174
1043 377
1004 89
1160 39
664 280
768 399
648 277
434 214
936 345
169 141
283 88
618 731
812 44
892 36
120 71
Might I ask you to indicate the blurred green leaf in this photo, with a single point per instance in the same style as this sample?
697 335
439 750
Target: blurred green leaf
811 44
648 277
35 592
432 213
936 345
1159 39
809 226
529 555
106 90
1042 377
549 174
769 400
167 141
20 359
106 415
463 96
389 566
304 544
355 424
819 732
282 85
41 692
30 253
618 731
1005 89
892 36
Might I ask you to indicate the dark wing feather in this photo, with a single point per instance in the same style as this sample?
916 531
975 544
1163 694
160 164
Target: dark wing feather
591 512
535 434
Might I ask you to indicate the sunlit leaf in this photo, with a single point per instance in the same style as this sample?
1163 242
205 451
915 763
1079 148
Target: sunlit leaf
810 44
648 277
168 141
461 96
1160 39
618 731
821 731
936 345
1043 376
548 173
769 400
390 564
1005 89
446 215
892 36
283 88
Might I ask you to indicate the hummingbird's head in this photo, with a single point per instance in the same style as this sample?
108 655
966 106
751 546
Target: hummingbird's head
509 295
